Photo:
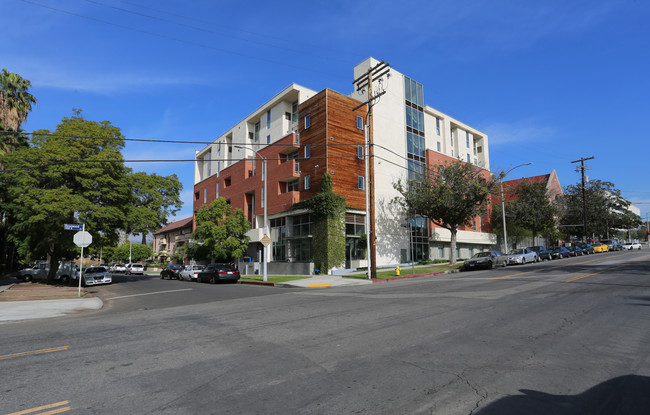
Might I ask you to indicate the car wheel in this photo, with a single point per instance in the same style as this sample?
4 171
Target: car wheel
83 282
162 277
523 261
212 280
27 278
505 264
490 265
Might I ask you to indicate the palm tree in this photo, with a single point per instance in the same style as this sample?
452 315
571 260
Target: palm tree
15 103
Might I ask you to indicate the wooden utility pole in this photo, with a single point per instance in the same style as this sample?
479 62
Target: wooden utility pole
365 82
584 194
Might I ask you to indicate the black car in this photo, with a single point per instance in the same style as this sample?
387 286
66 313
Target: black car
171 271
487 259
542 253
218 272
587 249
560 252
575 250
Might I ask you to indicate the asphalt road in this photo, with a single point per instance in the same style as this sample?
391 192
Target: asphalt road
564 337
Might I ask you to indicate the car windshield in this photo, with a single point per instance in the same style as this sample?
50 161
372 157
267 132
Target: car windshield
481 255
175 267
516 252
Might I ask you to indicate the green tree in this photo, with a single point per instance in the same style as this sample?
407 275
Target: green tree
221 231
138 252
327 210
155 198
449 195
75 175
532 209
605 208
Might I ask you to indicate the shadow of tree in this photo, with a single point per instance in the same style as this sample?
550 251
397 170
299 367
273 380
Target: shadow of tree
624 395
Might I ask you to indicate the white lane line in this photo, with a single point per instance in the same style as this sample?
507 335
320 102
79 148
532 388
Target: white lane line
157 292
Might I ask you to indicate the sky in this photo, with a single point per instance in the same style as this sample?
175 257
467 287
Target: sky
548 81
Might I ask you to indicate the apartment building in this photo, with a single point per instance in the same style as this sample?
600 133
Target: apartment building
168 239
301 134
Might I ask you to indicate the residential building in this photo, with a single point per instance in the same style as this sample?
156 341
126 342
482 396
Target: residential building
302 134
167 240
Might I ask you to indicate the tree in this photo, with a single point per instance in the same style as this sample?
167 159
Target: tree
327 209
605 208
75 175
154 199
15 103
221 231
532 209
449 195
138 252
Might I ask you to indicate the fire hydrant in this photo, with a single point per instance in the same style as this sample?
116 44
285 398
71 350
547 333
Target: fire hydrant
397 271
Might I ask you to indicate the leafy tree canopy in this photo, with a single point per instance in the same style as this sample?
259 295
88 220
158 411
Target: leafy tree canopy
532 209
449 195
138 252
221 231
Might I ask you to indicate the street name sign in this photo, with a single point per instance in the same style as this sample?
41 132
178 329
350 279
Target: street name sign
73 227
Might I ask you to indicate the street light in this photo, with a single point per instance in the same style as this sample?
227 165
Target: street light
266 202
503 208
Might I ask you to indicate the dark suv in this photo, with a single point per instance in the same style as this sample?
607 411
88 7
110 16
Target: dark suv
172 271
542 253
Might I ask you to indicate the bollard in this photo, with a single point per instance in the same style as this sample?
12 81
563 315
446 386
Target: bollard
397 271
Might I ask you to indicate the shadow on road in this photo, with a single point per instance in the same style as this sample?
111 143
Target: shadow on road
625 395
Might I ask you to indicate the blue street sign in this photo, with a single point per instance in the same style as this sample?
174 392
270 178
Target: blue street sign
73 227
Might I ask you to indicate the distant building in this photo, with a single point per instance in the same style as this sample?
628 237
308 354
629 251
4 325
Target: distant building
168 239
550 180
303 134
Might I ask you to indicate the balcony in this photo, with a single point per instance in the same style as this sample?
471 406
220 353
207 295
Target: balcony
181 238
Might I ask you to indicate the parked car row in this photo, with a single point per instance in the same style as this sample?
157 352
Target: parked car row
128 269
212 273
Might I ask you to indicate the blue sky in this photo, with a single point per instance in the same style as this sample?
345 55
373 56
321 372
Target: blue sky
548 81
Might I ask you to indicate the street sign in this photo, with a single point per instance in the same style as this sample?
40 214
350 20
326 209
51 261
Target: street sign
82 239
266 241
73 227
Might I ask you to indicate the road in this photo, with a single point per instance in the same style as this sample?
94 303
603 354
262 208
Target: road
563 337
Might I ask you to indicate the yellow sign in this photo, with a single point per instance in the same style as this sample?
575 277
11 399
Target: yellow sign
266 241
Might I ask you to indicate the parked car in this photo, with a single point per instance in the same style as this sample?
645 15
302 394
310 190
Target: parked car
218 272
191 272
171 271
94 276
64 273
521 256
618 247
135 268
598 247
575 250
612 244
487 259
560 252
631 245
119 268
587 249
542 253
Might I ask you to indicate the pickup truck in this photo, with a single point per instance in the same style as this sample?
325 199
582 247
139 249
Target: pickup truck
64 273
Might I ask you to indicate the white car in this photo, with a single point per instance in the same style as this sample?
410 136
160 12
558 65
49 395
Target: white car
191 272
522 256
94 276
134 268
631 245
119 268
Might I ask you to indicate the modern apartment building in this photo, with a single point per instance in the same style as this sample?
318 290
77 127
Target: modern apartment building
302 134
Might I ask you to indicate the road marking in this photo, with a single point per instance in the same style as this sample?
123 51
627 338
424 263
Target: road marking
319 285
50 350
40 408
579 277
156 292
559 266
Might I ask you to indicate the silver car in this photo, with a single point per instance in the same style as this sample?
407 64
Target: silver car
191 272
95 276
522 256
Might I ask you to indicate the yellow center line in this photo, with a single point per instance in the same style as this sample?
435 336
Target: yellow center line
50 350
319 285
40 408
579 277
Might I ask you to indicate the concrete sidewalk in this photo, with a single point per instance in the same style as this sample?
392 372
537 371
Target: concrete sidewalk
322 281
28 310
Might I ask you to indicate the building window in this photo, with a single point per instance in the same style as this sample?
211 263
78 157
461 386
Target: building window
451 136
439 147
217 190
279 238
359 122
354 229
294 111
218 168
360 152
468 160
197 195
268 119
302 225
227 181
268 139
257 132
438 126
307 182
292 186
467 138
307 121
360 182
205 195
307 151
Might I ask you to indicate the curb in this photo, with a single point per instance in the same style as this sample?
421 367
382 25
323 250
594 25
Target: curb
6 287
453 271
267 284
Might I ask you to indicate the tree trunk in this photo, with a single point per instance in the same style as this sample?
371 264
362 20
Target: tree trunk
144 238
452 257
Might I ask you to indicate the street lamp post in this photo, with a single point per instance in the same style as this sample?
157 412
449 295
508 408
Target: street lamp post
503 208
266 202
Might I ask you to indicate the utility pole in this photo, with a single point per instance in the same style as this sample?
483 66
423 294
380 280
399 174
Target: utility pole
364 82
584 194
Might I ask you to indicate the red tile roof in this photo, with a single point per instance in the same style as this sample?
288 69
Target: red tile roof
176 225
